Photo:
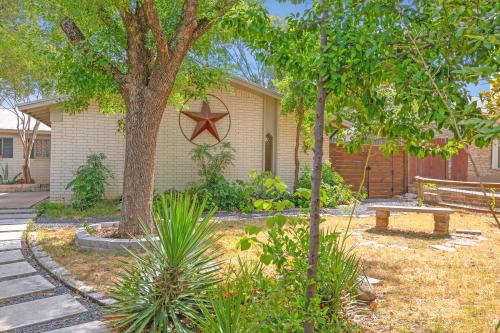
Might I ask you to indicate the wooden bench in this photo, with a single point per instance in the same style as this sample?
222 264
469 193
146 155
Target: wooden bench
441 216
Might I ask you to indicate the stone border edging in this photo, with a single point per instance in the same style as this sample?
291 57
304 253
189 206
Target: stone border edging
85 241
62 274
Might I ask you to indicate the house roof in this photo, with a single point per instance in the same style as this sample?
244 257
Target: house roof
40 109
8 122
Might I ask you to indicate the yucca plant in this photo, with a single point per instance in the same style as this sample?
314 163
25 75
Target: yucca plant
223 315
165 287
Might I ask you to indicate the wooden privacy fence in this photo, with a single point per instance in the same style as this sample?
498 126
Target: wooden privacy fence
421 181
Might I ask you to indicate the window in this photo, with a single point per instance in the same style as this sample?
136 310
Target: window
268 152
41 149
6 148
495 154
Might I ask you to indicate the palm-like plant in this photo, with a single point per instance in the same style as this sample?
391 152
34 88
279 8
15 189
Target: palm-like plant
164 289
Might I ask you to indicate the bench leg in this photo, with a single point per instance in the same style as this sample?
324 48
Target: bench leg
441 224
382 220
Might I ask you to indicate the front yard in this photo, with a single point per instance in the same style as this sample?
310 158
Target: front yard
423 289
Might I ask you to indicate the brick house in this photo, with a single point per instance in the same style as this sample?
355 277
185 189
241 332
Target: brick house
11 149
262 138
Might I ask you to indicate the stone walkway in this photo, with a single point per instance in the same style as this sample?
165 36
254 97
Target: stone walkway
30 300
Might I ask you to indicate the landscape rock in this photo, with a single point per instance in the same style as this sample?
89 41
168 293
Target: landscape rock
443 248
366 293
468 232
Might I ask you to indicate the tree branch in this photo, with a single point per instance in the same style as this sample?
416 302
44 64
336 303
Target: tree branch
154 23
76 37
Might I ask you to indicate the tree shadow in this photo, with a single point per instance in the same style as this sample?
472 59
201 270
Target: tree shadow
406 234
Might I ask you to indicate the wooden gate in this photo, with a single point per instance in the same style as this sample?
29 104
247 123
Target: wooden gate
385 174
437 168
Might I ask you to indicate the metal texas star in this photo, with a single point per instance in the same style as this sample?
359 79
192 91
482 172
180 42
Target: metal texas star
205 120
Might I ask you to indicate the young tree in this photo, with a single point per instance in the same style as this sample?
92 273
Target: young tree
359 51
141 50
20 78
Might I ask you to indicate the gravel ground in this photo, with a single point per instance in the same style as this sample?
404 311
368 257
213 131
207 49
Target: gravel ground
361 210
94 311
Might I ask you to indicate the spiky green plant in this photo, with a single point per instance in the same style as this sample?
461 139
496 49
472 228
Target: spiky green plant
164 288
223 313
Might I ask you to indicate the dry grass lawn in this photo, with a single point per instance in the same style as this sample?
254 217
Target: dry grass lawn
423 290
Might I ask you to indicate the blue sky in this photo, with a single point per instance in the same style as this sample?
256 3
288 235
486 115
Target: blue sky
286 8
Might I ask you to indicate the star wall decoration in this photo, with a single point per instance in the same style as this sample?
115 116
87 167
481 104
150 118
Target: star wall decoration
205 121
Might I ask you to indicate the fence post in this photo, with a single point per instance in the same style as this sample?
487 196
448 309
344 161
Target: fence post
420 189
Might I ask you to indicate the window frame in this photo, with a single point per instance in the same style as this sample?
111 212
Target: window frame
34 154
2 146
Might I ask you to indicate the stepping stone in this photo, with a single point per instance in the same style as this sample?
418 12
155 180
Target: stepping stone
6 256
444 248
367 243
403 248
468 232
14 221
462 242
17 216
17 211
92 327
373 281
12 235
10 245
12 227
481 238
23 286
15 269
39 311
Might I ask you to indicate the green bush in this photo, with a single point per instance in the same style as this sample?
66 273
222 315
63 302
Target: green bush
166 288
212 161
276 302
334 191
89 183
221 195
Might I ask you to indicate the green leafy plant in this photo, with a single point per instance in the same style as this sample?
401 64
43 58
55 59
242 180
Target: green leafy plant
165 288
90 181
333 191
277 304
4 176
212 161
90 230
275 196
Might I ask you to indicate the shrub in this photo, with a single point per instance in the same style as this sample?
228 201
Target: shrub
90 181
165 289
221 195
212 161
277 304
334 191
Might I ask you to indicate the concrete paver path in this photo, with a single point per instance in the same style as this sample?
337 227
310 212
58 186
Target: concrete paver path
20 200
28 301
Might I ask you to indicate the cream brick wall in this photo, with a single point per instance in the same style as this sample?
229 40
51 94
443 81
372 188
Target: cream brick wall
286 145
482 158
40 167
76 136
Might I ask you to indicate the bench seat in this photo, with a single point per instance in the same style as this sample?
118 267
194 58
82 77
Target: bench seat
441 216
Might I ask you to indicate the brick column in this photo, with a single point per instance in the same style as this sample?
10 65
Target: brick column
382 219
441 224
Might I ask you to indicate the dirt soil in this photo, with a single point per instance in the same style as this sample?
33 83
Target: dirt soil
423 289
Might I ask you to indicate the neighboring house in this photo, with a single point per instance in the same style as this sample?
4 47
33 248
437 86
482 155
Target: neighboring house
11 149
262 138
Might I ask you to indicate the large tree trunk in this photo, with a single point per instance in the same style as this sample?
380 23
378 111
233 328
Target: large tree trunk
141 132
315 188
298 130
